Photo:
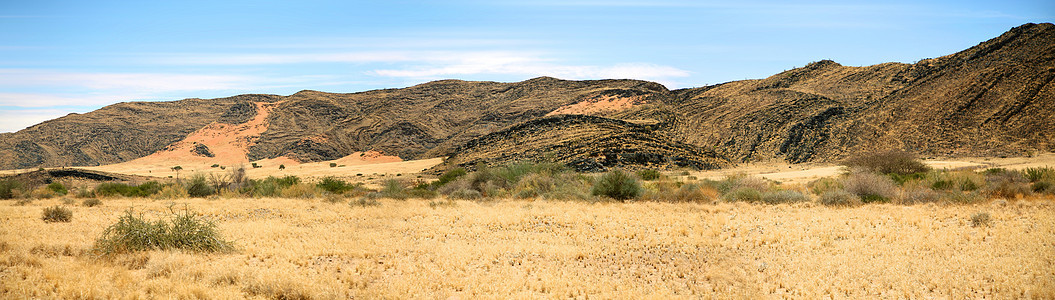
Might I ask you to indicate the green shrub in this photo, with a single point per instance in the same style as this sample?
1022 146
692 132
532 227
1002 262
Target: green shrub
9 188
184 231
783 196
744 193
393 189
57 214
1038 174
449 176
215 165
333 165
839 198
887 162
91 202
58 188
617 185
113 189
199 187
649 174
870 187
256 166
334 185
1043 186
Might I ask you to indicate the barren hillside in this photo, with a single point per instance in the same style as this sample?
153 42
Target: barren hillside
996 98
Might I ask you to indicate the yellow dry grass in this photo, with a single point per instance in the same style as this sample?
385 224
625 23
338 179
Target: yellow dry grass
309 249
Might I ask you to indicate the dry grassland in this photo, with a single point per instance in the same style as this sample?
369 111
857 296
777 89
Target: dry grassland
309 249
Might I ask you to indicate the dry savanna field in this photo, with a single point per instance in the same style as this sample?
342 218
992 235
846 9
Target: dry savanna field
516 247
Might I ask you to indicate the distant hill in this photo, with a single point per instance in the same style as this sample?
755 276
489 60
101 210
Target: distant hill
996 98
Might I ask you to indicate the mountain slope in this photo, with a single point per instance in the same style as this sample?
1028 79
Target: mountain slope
992 99
996 98
586 143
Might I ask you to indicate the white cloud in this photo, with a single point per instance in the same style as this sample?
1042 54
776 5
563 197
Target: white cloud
134 82
15 120
511 63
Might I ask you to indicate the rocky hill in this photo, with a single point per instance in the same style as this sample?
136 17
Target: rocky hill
585 143
996 98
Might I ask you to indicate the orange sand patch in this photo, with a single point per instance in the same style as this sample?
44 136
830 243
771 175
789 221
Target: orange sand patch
599 104
228 143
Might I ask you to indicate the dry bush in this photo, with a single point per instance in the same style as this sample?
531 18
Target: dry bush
91 202
870 187
783 196
1006 184
43 192
171 192
57 214
918 196
887 162
744 193
10 188
839 198
980 219
300 190
823 185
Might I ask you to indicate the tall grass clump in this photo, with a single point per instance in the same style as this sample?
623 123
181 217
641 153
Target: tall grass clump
617 185
57 214
1007 184
887 162
182 230
870 187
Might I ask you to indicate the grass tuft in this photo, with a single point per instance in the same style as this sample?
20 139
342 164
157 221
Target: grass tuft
57 214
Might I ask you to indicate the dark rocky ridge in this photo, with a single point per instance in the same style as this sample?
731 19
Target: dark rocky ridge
586 143
996 98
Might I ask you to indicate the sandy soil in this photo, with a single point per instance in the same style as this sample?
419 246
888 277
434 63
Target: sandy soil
600 104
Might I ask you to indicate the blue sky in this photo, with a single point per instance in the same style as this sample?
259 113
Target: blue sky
58 57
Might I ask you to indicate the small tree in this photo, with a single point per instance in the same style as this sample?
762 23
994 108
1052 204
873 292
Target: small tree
177 169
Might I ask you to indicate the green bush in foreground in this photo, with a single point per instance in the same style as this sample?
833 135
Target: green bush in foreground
57 214
617 185
183 230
